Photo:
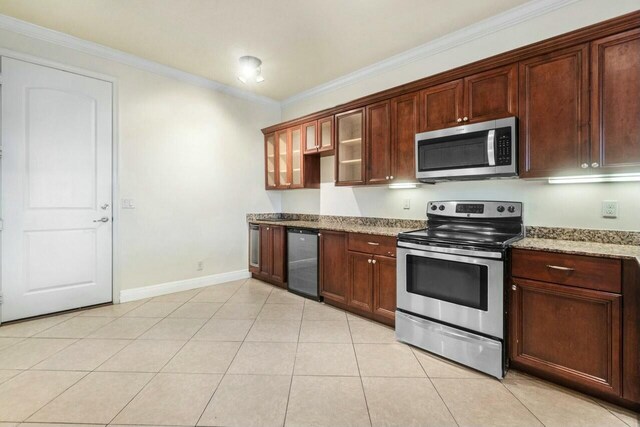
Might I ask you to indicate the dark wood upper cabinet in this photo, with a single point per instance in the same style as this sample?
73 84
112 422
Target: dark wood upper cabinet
567 333
351 147
270 168
554 110
378 160
326 137
615 103
491 94
404 126
310 137
441 106
333 266
384 286
360 293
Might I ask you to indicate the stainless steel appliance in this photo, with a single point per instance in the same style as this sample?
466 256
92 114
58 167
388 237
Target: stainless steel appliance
480 150
254 246
450 278
302 262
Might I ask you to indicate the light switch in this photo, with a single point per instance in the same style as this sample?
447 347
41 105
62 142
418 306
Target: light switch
406 204
128 204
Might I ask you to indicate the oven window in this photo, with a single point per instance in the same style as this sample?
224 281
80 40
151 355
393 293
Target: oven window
468 150
455 282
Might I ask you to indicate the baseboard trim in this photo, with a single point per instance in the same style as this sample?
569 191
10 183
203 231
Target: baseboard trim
181 285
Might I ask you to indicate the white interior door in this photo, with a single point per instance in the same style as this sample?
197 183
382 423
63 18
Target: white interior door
56 188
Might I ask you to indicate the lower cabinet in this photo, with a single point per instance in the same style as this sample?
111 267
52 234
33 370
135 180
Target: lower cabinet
333 266
358 274
273 255
562 325
568 332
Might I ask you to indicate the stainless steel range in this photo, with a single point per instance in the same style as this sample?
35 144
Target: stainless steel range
451 275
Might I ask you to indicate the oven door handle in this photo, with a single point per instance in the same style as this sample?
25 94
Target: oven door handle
491 155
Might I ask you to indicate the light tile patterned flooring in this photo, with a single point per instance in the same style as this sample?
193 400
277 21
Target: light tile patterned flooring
247 354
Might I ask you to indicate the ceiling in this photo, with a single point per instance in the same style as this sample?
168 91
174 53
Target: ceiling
302 43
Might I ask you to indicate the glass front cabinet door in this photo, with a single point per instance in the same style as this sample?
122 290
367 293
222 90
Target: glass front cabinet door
310 136
283 159
270 160
350 148
296 158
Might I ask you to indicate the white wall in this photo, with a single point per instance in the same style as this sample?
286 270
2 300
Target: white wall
545 205
190 157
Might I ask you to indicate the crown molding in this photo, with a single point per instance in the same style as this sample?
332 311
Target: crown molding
61 39
509 18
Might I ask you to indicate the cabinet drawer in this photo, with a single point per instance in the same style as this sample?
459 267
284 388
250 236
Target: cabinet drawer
372 244
603 274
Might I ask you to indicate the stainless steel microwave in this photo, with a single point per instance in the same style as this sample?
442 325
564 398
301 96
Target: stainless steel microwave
476 151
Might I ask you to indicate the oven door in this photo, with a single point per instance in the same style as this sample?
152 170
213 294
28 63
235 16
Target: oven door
456 288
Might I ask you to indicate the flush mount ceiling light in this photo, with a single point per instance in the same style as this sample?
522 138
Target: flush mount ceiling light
250 69
621 177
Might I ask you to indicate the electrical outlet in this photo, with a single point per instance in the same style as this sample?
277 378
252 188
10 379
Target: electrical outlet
128 204
200 266
609 208
406 204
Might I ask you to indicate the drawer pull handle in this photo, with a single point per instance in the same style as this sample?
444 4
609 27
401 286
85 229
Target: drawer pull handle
373 243
557 267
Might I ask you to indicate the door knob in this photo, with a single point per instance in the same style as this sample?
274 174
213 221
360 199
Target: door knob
584 165
459 120
595 165
104 207
465 119
103 219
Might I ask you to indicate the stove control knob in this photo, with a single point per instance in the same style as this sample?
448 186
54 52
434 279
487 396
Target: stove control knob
441 207
501 208
434 207
511 209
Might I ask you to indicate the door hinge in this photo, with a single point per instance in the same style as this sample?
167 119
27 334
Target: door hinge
1 298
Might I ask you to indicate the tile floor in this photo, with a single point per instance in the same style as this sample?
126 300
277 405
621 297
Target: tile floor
247 354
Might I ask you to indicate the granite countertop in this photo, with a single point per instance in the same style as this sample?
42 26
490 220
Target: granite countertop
336 226
605 250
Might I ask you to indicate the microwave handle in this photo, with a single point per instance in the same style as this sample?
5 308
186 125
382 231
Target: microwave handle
491 137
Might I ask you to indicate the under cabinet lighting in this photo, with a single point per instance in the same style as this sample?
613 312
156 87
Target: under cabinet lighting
585 179
403 185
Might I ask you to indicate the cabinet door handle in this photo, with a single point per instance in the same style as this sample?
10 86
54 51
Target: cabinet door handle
595 165
374 261
557 267
373 243
391 177
584 165
369 260
459 120
465 119
513 288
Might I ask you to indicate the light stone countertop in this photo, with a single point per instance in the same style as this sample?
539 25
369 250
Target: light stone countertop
335 226
605 250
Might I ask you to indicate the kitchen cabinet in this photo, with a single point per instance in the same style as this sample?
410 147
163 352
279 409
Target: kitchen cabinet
615 109
350 150
479 97
360 281
286 166
378 143
554 113
404 126
273 255
270 161
562 324
384 287
371 288
441 106
318 136
333 266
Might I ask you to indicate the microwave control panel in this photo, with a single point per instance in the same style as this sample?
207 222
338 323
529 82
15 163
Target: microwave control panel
503 146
